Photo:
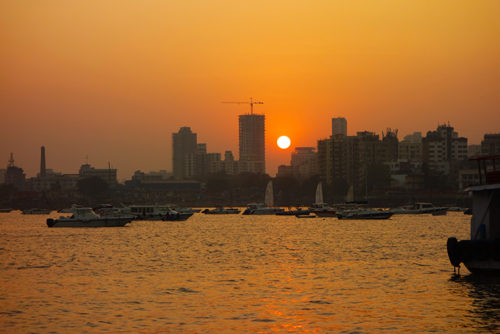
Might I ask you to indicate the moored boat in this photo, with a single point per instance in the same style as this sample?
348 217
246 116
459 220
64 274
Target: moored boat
35 211
481 254
363 214
319 208
5 210
86 217
266 208
221 211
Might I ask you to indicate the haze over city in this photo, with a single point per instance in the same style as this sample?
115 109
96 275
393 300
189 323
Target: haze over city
113 80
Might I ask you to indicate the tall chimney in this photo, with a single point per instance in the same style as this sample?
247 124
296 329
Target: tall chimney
43 171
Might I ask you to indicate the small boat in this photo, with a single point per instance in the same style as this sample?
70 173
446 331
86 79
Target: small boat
221 211
176 216
6 210
86 217
481 254
319 208
305 216
266 208
364 214
296 212
420 208
36 211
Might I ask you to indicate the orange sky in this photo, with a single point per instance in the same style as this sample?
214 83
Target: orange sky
113 79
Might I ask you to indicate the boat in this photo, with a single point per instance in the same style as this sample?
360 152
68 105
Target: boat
86 217
296 212
420 208
36 211
363 214
6 210
481 254
266 208
173 215
221 211
305 216
319 208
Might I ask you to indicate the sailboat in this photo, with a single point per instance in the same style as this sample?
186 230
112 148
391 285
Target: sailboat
266 208
320 208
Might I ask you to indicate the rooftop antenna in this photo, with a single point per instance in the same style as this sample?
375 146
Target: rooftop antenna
11 160
251 103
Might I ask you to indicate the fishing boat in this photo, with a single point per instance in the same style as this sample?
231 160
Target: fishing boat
221 211
420 208
86 217
319 208
481 254
363 214
35 211
266 208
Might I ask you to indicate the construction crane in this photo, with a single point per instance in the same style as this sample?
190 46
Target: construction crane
251 103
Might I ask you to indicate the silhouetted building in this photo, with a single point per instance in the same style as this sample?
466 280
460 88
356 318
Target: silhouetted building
443 147
410 148
490 145
474 151
390 146
230 165
304 162
339 126
14 175
108 175
184 153
252 143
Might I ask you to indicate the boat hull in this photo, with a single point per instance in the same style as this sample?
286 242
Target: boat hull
99 222
362 216
325 213
478 256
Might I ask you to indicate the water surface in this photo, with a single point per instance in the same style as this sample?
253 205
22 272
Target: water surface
234 273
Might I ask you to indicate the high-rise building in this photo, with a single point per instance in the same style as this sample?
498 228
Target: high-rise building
490 145
442 148
252 143
339 126
184 152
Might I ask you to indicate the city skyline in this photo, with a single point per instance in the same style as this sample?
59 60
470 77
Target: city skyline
186 130
87 79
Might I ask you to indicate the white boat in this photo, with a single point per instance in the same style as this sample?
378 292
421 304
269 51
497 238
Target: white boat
86 217
221 211
481 254
319 208
155 212
266 208
364 214
420 208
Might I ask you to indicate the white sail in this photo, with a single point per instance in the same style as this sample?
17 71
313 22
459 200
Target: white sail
319 194
350 194
269 197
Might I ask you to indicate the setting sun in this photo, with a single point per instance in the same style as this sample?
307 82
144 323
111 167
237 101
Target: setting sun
283 142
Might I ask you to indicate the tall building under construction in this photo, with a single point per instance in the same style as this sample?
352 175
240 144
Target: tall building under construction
252 143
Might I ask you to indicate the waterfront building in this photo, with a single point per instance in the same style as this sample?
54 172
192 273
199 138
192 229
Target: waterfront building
442 148
339 126
490 145
14 175
230 165
410 148
304 162
185 147
108 175
474 151
252 143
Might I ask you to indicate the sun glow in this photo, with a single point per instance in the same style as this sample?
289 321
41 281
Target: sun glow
283 142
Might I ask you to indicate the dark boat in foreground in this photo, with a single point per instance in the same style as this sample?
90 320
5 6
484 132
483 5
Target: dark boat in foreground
482 252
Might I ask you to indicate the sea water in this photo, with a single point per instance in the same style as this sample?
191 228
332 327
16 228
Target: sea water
241 274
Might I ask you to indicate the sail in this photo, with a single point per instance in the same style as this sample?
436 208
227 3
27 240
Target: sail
350 194
319 194
269 197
